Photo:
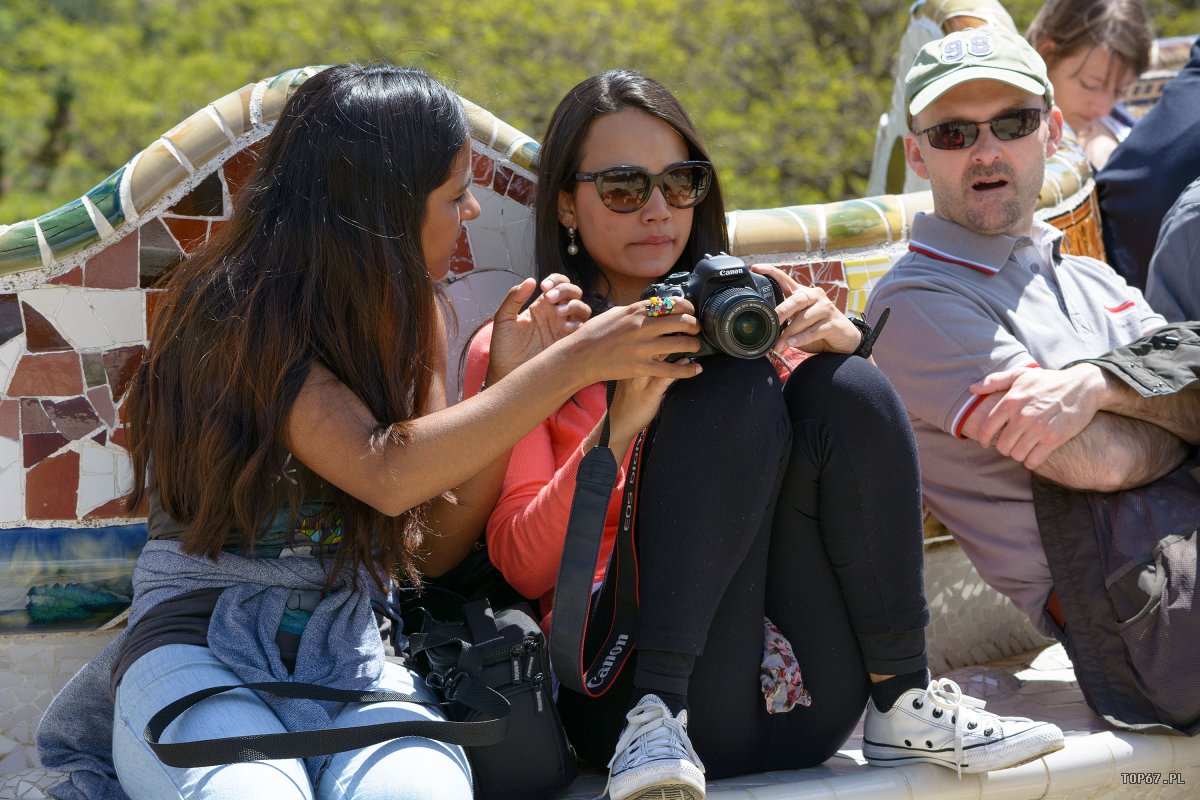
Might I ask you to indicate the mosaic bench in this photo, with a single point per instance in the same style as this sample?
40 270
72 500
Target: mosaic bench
76 288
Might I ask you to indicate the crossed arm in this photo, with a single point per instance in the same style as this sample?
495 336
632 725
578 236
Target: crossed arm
1083 428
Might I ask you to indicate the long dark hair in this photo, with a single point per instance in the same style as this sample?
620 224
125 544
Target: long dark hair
320 263
598 95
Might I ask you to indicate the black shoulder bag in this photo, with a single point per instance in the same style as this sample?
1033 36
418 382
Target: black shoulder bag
491 670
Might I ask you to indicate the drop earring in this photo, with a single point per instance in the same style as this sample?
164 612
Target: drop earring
572 248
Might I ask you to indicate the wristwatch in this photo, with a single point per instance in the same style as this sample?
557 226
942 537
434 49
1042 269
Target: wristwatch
869 335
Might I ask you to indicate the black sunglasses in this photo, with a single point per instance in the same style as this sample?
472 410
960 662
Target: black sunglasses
625 189
1006 127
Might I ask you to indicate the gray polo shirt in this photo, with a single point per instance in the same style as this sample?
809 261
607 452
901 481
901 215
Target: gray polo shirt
965 305
1173 285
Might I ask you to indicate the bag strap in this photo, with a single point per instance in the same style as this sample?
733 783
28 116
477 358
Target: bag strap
461 688
592 673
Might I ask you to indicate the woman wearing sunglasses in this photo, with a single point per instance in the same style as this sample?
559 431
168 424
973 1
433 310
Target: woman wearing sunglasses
798 506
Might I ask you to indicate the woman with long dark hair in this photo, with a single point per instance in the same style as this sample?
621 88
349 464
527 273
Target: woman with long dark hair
778 532
290 430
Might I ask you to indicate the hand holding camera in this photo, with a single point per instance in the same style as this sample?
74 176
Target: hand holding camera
735 306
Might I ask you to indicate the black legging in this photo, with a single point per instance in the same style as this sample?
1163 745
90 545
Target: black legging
836 563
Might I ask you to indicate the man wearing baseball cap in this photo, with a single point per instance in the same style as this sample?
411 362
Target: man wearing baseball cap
997 345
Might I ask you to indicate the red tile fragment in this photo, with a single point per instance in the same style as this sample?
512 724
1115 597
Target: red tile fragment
33 417
114 267
52 488
522 190
47 375
102 402
40 334
120 363
462 260
10 419
190 233
501 179
482 169
35 447
74 418
115 508
72 278
238 168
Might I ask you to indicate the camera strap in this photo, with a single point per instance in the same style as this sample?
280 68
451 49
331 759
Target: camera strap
592 670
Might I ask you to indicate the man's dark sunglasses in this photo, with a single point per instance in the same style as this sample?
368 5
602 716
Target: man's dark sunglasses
625 189
1006 127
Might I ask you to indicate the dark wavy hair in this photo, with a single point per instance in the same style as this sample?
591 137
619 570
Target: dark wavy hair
607 93
320 263
1073 25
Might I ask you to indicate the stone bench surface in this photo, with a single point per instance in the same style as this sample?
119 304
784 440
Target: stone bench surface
1097 762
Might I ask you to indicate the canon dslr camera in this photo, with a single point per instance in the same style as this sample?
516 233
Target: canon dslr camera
736 307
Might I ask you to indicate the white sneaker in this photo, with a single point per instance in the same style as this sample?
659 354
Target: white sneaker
654 759
941 725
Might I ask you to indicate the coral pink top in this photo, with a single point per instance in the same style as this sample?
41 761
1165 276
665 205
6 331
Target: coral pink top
528 526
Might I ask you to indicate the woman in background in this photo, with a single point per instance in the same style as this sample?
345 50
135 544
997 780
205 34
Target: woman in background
1094 49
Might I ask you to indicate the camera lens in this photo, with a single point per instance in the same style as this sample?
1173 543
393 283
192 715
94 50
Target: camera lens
748 327
738 322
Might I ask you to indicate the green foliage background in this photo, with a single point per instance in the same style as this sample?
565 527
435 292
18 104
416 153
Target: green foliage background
787 93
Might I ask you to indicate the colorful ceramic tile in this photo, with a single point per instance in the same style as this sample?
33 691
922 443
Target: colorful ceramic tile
461 261
73 316
34 418
206 200
47 375
280 88
93 369
100 438
500 179
523 190
73 277
36 447
234 108
158 252
10 420
190 233
199 138
101 399
830 272
120 363
483 169
40 335
74 418
10 451
12 488
97 478
68 229
854 224
19 248
11 323
106 197
155 173
114 267
51 487
238 168
115 509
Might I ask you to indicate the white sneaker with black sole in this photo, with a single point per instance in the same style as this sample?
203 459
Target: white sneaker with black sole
654 759
941 725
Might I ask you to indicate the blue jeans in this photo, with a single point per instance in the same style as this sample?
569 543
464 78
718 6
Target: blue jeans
411 767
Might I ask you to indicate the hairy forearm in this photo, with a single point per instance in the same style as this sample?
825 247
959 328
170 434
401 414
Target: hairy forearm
1114 452
1177 413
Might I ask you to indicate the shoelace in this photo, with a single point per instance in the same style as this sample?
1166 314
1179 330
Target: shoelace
946 694
655 723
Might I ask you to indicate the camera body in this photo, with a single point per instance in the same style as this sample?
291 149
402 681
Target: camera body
736 307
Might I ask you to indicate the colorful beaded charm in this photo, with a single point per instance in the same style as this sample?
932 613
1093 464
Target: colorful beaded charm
660 306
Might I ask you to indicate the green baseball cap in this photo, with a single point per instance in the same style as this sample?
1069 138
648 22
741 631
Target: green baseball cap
973 54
